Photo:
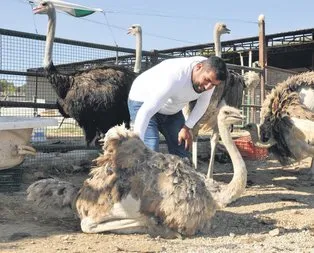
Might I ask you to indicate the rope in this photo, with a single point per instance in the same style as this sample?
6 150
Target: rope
34 23
109 26
112 34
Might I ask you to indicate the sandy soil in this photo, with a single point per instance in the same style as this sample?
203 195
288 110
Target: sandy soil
276 214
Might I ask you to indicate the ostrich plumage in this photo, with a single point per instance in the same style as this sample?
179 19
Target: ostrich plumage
287 120
95 97
136 190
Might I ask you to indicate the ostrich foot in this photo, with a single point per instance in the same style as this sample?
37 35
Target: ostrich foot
25 150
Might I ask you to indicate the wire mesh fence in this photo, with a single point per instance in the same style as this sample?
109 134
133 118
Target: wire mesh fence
252 98
25 91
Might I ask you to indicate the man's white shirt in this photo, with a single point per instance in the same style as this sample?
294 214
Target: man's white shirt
166 88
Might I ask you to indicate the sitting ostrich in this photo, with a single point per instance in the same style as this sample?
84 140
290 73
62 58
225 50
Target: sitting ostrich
229 93
287 120
96 97
136 190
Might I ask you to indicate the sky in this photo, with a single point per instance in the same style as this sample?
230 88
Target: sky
165 23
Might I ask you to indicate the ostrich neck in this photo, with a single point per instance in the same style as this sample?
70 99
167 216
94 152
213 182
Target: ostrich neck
238 183
255 135
138 53
217 43
51 28
256 139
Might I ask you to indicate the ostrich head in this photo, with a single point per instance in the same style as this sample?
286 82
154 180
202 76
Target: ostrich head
221 28
44 7
134 29
251 128
251 80
229 115
259 137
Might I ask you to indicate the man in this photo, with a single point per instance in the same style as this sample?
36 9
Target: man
158 95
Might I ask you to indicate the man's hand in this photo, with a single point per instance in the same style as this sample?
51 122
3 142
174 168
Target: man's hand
185 135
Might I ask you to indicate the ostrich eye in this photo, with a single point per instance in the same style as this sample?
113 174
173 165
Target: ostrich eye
44 4
133 26
227 113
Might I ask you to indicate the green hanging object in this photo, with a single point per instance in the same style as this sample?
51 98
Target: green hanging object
75 10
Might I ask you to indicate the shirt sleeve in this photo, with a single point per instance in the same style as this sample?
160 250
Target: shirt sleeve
199 108
152 105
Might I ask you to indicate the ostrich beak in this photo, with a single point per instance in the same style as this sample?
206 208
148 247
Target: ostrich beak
36 9
240 117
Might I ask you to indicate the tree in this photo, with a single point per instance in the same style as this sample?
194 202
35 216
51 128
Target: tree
7 87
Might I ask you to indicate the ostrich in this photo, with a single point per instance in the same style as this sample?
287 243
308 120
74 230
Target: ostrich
220 29
287 120
136 30
136 190
97 97
229 92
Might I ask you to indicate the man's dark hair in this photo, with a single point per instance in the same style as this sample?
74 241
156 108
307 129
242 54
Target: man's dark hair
218 65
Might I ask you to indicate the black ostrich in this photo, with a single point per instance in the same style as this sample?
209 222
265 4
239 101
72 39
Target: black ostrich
97 97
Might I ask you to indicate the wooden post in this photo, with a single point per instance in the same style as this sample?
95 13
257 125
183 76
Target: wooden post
262 53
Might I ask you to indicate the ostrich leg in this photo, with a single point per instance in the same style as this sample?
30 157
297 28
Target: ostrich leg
117 224
213 144
194 152
124 217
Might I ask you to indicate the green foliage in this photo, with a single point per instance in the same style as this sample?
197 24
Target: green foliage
7 87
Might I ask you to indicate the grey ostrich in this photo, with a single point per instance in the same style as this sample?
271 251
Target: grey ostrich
287 120
229 92
136 190
96 97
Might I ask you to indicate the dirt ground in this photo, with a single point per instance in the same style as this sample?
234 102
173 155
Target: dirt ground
276 214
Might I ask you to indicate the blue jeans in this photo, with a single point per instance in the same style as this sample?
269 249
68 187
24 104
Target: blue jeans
168 125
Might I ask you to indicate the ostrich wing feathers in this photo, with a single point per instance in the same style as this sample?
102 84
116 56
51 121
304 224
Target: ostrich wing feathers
286 118
168 187
234 89
53 193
